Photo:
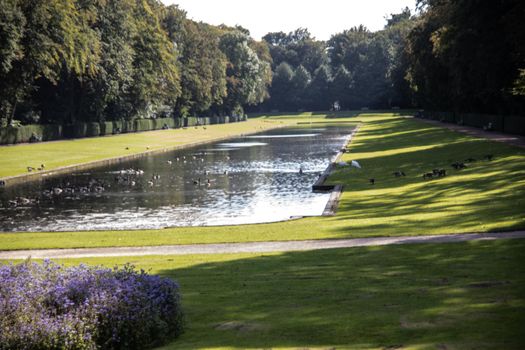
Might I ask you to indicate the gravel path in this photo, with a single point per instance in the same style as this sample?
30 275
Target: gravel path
515 140
253 247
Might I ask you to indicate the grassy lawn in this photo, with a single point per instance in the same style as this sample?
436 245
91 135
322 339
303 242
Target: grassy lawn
433 296
14 160
486 196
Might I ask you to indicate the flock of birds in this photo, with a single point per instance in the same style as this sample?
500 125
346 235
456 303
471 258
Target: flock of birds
125 177
439 172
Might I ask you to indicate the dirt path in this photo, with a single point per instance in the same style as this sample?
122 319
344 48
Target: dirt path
253 247
515 140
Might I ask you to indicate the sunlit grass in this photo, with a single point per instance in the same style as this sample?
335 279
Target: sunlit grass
487 196
433 296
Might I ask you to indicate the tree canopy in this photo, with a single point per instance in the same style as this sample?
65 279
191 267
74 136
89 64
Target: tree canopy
64 61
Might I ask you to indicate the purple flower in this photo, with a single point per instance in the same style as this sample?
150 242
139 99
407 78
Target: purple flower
48 306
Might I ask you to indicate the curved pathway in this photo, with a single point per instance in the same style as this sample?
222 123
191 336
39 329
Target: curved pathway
254 247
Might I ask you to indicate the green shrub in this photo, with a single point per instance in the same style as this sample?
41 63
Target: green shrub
128 126
178 122
93 129
8 135
143 125
52 132
25 132
190 121
168 121
77 130
106 128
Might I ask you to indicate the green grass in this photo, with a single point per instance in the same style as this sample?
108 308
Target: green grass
14 160
431 296
487 196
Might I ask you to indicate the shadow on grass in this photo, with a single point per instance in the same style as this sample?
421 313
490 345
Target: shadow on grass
461 295
486 196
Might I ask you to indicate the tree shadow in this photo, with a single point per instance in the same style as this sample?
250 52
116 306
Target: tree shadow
460 295
486 196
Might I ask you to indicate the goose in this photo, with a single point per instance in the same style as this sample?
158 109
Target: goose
23 201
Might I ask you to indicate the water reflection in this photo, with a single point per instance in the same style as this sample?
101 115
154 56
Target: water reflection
245 180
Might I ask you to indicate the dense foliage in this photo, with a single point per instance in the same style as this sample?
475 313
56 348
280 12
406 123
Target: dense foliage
461 56
468 55
69 61
48 306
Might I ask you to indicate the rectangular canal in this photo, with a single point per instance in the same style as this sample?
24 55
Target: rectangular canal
253 179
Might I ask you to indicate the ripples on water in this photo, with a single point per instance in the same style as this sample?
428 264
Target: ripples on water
235 182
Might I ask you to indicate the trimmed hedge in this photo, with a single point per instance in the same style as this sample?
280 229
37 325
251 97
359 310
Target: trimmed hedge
52 132
143 125
12 135
21 134
106 128
8 135
93 129
190 121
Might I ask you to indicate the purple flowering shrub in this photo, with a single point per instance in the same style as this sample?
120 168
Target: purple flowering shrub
49 306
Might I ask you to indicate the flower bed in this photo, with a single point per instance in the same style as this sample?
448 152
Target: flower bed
49 306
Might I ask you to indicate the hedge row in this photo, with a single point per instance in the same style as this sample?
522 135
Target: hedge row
12 135
505 123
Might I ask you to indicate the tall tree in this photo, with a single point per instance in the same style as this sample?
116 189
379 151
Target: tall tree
319 95
202 64
245 72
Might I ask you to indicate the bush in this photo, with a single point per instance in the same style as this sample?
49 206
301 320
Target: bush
52 132
159 123
93 129
178 122
75 130
143 125
106 128
190 121
128 126
49 306
8 135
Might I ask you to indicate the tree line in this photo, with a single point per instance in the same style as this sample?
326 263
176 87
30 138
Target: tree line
65 61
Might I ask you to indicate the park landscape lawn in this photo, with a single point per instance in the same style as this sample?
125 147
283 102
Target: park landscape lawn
430 296
487 196
467 295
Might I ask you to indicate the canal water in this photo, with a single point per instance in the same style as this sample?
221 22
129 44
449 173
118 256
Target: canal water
253 179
